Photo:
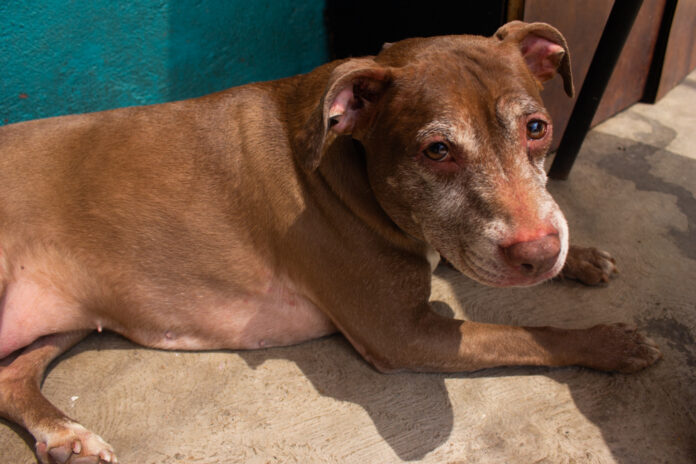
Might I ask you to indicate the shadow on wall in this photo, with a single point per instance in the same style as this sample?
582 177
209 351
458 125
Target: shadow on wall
63 57
217 44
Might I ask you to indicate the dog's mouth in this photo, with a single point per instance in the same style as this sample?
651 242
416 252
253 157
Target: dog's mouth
503 255
489 266
495 272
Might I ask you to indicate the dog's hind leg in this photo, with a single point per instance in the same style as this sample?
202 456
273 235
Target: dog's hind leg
58 438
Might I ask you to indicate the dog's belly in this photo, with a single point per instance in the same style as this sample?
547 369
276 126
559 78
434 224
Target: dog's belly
276 317
183 318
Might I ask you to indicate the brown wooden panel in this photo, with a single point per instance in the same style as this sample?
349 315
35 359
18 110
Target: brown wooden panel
628 80
515 10
582 23
680 56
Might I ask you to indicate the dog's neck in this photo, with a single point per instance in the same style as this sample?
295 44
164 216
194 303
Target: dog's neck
349 181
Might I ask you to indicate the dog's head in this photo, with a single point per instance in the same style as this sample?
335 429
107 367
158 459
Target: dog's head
455 135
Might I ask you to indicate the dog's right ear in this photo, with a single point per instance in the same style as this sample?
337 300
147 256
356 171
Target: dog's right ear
348 106
544 50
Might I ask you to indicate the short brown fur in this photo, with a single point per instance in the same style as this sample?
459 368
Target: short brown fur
277 212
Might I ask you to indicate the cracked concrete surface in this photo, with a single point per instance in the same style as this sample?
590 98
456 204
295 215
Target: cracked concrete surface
632 192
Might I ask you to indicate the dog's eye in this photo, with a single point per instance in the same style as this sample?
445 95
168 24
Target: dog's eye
536 129
436 151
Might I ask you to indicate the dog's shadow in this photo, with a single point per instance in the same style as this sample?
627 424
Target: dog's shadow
412 412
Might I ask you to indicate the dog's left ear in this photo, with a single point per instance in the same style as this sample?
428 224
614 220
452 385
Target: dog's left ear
544 49
348 106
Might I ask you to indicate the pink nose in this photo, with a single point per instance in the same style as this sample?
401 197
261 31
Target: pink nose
534 257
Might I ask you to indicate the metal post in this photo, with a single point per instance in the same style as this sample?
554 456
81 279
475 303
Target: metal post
615 33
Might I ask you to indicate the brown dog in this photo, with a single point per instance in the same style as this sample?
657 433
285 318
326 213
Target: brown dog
277 212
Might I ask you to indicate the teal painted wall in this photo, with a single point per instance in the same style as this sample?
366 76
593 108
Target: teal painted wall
74 56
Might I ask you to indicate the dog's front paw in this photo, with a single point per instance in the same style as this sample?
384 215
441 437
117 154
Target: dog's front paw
588 265
73 444
621 348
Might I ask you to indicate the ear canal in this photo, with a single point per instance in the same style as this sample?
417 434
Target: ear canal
349 103
544 49
340 111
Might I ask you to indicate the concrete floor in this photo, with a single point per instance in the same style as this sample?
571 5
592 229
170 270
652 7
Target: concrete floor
632 191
